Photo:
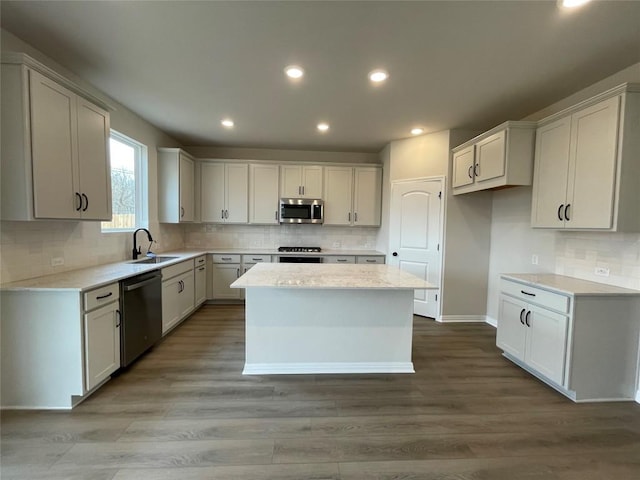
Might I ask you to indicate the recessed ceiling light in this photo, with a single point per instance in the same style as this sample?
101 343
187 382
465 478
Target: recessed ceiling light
377 76
323 127
417 131
572 3
293 71
227 122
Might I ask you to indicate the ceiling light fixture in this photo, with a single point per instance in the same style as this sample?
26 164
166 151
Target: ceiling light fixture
378 76
227 123
417 131
323 127
572 3
293 71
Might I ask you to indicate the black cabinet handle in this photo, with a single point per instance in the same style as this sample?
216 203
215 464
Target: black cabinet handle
560 212
102 297
526 318
201 269
395 254
119 318
475 170
566 212
521 315
222 213
79 202
181 212
469 172
86 202
527 293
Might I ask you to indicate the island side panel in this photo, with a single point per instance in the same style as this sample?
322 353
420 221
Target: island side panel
294 330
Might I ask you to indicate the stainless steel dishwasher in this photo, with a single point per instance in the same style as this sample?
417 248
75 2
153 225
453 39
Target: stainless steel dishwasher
141 310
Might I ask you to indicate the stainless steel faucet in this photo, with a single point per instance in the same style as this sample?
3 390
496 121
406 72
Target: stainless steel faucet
136 248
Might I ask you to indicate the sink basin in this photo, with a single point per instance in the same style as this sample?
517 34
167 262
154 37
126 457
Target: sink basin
155 260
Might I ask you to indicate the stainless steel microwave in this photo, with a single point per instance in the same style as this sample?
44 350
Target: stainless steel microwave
301 210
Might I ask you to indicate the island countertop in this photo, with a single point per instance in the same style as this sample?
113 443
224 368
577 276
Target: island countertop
329 276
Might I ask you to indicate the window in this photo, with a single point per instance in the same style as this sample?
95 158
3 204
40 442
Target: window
128 184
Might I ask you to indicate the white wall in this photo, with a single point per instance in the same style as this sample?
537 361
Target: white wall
282 155
26 248
467 220
576 254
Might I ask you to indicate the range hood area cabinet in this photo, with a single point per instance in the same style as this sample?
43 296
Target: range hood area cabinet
301 181
500 157
352 196
55 162
587 165
176 181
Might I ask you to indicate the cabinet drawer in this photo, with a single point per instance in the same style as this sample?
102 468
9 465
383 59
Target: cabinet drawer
177 269
200 261
544 298
340 259
225 258
101 296
256 258
370 259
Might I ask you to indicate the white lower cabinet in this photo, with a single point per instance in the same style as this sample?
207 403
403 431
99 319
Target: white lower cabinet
227 268
178 294
584 344
534 335
57 346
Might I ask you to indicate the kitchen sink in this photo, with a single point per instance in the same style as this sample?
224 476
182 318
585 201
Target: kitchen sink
155 260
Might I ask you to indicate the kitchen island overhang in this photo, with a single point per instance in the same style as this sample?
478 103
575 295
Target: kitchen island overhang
327 318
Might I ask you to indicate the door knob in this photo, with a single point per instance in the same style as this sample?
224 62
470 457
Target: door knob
395 254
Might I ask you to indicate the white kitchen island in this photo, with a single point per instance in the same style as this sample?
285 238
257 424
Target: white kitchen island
325 318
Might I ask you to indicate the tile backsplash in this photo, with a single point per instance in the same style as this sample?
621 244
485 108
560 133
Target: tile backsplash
33 249
273 236
578 254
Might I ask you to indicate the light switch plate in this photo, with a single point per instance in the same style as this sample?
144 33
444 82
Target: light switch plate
602 271
56 261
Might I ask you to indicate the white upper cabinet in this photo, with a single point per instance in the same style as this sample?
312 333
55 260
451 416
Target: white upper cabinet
352 196
224 191
263 194
501 157
55 162
301 181
586 165
176 187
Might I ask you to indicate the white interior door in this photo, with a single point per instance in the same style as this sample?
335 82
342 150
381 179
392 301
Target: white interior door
414 236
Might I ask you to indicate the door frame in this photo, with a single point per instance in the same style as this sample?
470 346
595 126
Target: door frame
441 233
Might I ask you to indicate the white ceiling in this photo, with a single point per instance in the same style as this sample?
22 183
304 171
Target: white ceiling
183 66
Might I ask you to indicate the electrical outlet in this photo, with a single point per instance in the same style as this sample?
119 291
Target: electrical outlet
55 261
602 271
337 244
534 259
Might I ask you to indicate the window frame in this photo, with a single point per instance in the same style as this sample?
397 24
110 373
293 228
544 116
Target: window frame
140 169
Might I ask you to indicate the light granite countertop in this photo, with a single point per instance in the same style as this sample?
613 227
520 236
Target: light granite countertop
96 276
329 276
568 285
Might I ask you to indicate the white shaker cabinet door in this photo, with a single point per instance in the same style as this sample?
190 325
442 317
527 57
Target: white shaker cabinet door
186 174
263 194
312 181
223 275
512 333
102 344
338 195
212 192
463 162
592 165
367 196
551 174
53 149
200 278
93 161
290 181
546 342
237 193
490 157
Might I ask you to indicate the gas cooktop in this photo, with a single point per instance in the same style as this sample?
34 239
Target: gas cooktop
299 249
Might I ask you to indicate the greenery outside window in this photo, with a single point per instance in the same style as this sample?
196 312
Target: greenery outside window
128 184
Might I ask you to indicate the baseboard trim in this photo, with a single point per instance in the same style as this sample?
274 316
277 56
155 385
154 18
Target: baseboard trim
313 368
492 321
462 319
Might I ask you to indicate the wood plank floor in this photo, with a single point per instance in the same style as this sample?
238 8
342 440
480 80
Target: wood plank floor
184 411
